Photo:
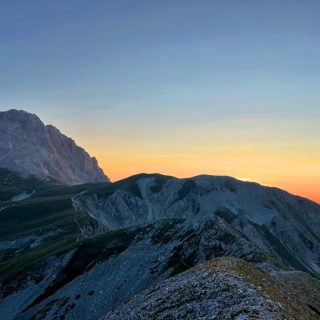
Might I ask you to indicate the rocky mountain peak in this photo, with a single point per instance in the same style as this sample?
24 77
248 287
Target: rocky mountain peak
30 147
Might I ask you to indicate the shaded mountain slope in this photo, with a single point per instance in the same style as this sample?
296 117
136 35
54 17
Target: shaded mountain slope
83 251
103 271
285 226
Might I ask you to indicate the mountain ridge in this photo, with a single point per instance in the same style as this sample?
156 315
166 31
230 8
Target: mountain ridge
281 223
30 147
82 252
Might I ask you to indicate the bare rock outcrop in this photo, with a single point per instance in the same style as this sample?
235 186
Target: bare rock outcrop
29 147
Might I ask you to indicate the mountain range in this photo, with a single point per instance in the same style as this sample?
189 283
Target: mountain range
149 246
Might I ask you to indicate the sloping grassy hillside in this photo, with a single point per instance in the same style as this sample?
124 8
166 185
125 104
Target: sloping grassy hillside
43 225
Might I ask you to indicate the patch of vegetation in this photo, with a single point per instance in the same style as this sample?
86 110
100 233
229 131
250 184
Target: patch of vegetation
24 261
166 231
36 219
12 184
130 185
159 182
36 216
90 252
287 257
309 244
230 186
177 264
186 188
54 190
290 289
225 214
51 210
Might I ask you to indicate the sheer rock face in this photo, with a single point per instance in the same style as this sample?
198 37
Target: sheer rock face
29 147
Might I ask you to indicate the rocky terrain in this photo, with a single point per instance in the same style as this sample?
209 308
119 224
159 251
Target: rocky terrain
285 226
226 288
29 147
135 249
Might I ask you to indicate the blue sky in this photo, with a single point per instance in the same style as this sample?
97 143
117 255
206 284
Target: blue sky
248 55
131 71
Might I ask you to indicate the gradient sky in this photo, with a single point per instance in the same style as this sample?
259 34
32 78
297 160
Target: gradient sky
177 87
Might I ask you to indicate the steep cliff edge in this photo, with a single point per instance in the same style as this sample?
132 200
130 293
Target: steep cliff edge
29 147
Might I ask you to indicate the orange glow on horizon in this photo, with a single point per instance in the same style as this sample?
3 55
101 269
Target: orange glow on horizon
309 190
271 152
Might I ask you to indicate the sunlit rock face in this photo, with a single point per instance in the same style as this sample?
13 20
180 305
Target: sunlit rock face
29 147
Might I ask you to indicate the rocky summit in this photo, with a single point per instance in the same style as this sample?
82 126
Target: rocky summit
29 147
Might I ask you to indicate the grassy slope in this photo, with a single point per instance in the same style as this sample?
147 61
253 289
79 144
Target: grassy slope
12 184
49 211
